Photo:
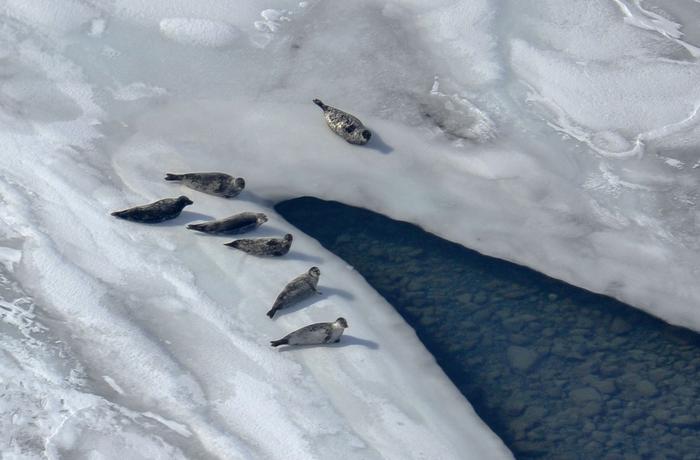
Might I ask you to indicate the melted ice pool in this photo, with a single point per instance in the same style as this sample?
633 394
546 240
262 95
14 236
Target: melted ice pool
556 371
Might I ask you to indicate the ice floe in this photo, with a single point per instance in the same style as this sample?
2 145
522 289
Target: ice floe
563 136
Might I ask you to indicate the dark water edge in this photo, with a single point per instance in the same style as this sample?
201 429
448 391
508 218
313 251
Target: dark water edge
556 371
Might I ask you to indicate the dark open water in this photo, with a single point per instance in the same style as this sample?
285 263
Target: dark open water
554 370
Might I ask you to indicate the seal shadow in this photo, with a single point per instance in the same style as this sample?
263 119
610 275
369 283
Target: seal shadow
252 197
298 306
376 143
345 341
325 293
262 231
185 217
329 291
296 255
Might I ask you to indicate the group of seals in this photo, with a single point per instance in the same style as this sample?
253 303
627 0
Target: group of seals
224 185
218 184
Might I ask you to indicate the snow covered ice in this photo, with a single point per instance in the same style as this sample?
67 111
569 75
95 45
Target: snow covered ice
560 135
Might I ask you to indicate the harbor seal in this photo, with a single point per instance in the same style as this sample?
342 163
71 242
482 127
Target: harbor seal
314 334
264 246
240 223
213 183
300 288
158 211
345 125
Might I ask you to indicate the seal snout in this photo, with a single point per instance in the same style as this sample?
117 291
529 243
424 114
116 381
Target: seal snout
366 134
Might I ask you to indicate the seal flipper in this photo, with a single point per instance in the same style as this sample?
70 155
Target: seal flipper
320 104
272 312
277 343
169 176
198 227
233 244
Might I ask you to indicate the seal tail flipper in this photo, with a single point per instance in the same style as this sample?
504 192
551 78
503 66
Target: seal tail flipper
277 343
198 227
320 104
272 312
118 213
169 176
233 244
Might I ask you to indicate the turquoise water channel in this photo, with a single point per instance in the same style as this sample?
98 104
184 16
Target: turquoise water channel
554 370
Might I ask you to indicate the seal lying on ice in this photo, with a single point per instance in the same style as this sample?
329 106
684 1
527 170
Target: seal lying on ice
314 334
264 246
240 223
159 211
345 125
213 183
300 288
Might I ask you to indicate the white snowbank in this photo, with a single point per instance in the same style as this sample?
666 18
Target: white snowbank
541 144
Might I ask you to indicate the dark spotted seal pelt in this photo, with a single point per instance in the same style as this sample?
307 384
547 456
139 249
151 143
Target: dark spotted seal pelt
158 211
345 125
300 288
213 183
240 223
314 334
264 246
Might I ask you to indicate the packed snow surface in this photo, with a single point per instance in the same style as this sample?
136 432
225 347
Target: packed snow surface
563 135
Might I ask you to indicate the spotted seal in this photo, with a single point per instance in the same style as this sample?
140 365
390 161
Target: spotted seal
264 246
314 334
300 288
240 223
345 125
158 211
213 183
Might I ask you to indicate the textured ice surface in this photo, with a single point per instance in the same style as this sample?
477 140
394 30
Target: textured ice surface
202 32
561 135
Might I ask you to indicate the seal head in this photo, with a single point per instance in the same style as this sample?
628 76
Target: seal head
184 201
